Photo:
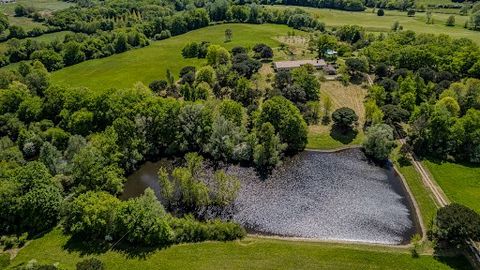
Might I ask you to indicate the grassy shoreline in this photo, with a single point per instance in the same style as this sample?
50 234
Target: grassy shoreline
249 253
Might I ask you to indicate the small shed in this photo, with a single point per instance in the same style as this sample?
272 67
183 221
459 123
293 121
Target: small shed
330 70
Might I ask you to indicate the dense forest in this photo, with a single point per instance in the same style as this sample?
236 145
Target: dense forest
431 83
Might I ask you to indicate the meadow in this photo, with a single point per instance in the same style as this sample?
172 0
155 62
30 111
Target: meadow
374 23
352 96
40 5
460 182
151 63
44 6
249 253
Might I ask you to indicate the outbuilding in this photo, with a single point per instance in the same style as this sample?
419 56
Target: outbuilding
289 65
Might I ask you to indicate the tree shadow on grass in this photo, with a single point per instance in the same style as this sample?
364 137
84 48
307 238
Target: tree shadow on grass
456 262
76 244
343 136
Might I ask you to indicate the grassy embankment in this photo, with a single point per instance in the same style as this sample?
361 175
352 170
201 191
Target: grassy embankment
422 194
250 253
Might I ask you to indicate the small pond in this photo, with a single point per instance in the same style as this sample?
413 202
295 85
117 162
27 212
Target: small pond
327 196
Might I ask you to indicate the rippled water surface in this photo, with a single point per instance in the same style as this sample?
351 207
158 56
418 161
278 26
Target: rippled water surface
329 196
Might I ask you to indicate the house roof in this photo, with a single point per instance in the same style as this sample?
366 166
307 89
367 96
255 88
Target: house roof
299 63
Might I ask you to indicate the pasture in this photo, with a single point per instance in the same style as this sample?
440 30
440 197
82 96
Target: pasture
40 5
249 253
351 96
374 23
43 6
460 182
151 63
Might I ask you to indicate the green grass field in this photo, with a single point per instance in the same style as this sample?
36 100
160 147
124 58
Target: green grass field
250 253
40 5
460 182
150 63
374 23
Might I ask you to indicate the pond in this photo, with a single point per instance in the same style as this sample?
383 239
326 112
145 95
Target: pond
328 196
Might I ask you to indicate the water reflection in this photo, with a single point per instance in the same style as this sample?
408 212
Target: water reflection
331 196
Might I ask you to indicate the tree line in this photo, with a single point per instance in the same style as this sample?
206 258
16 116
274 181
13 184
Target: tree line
101 30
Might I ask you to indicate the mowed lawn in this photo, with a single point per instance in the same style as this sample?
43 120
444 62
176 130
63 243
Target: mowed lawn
351 96
375 23
460 182
250 253
151 63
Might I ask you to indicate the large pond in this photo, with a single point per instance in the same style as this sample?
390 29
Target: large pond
328 196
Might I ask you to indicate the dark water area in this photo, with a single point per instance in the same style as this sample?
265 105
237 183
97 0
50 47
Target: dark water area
327 196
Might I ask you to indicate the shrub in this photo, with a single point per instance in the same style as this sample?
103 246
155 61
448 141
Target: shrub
344 118
22 239
380 12
450 21
8 241
13 240
188 229
287 121
262 51
190 50
163 35
91 215
143 221
379 141
158 85
90 264
414 250
4 260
